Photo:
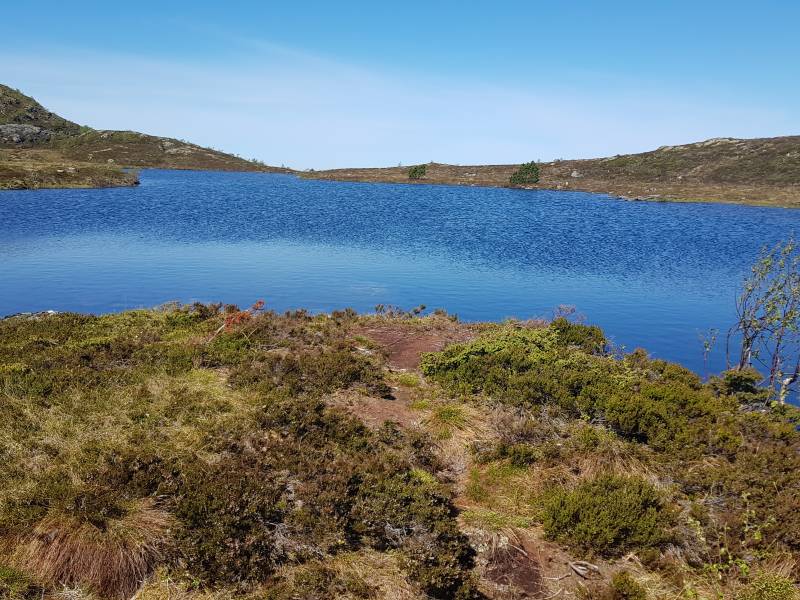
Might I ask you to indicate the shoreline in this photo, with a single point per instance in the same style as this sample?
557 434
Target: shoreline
787 197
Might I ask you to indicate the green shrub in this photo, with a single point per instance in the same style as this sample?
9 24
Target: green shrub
743 385
589 338
621 587
609 514
417 172
313 371
626 588
527 174
487 363
769 586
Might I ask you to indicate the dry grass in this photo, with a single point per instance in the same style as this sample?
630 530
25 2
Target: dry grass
36 169
382 572
112 560
162 586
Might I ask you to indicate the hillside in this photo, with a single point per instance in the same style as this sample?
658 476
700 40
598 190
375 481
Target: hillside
24 122
755 171
27 125
139 150
204 453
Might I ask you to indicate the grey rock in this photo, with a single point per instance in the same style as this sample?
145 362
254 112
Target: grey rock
23 135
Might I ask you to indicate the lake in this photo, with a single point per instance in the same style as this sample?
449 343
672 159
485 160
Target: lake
655 275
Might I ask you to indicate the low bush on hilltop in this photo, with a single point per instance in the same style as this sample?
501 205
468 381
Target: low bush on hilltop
527 174
417 171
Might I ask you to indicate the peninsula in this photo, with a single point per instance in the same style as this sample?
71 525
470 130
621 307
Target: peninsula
40 149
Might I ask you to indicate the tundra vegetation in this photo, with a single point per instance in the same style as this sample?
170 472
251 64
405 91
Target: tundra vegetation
207 452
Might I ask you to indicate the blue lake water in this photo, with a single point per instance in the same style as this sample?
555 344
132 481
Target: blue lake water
651 274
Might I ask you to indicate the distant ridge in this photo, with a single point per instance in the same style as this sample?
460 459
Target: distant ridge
26 124
39 148
752 171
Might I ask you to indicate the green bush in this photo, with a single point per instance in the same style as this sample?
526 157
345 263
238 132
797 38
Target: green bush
621 587
743 385
417 172
589 338
769 586
607 515
626 588
527 174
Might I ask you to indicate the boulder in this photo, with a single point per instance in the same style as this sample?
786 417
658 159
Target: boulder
14 134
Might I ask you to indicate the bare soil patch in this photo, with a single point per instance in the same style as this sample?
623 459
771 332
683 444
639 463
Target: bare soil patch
403 345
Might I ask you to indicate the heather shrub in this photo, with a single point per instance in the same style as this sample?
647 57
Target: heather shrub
311 482
769 586
624 587
621 587
607 515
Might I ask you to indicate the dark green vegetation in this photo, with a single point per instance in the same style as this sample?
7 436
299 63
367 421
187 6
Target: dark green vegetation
762 171
417 171
40 146
608 514
634 454
203 451
527 174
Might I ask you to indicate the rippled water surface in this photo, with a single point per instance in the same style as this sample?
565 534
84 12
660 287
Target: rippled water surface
651 274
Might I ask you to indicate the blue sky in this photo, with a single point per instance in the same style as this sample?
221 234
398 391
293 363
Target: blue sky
324 84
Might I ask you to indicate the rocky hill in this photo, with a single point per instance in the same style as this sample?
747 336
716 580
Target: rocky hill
752 171
26 125
139 150
24 122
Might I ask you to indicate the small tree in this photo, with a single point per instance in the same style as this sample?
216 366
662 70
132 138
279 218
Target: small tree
417 172
527 174
768 318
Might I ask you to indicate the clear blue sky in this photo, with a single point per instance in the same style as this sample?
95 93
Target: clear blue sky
321 84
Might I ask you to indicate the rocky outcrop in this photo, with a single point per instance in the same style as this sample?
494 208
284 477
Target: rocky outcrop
15 134
18 109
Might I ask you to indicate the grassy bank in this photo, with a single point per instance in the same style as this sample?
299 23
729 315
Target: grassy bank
38 169
210 452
